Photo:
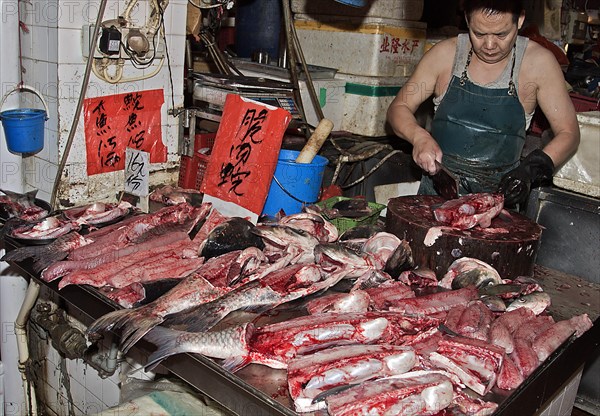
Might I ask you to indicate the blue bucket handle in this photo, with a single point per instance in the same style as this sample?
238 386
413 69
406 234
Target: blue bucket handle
288 193
27 88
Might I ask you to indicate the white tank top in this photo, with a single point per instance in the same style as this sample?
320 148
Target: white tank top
463 46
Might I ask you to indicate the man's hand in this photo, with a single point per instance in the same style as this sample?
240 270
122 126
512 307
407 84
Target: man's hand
516 184
425 152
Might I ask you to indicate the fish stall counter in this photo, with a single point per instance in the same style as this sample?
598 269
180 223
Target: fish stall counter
260 390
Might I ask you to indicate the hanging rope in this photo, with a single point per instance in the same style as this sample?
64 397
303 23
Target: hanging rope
22 27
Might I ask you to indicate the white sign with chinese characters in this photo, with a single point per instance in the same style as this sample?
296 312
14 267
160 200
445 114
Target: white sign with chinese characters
137 172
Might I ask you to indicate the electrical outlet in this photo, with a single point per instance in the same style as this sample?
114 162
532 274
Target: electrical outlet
87 33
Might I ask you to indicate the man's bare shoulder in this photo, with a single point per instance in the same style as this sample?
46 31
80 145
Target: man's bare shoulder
539 62
441 55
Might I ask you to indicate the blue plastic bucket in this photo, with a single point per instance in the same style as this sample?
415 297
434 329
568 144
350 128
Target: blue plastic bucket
353 3
24 127
294 184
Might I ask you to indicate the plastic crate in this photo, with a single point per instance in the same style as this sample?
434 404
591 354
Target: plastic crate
192 169
343 223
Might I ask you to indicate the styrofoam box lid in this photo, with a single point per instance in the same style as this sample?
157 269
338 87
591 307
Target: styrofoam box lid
374 81
589 117
361 21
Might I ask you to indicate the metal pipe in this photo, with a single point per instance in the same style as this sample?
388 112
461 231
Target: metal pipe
33 291
84 85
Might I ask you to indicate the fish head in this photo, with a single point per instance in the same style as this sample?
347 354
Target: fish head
337 255
536 301
477 277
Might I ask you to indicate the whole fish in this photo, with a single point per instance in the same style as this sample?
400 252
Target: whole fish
311 375
193 290
536 301
414 393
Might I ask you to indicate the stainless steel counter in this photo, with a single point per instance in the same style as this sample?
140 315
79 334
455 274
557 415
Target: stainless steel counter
258 390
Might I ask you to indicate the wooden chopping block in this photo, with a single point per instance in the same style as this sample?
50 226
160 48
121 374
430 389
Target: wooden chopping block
508 245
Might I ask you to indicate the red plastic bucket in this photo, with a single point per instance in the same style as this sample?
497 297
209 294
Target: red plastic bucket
24 127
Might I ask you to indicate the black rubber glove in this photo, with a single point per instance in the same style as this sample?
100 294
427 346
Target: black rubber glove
537 167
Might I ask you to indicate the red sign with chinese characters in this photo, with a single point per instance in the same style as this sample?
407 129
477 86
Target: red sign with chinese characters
244 156
115 122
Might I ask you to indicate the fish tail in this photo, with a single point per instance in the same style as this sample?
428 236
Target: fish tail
45 258
22 253
167 341
115 319
136 327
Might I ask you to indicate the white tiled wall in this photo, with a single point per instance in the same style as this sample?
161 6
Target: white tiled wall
54 64
89 392
564 399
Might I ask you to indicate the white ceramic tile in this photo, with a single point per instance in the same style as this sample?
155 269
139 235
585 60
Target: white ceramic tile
78 392
53 44
93 404
70 77
69 46
74 14
39 42
111 393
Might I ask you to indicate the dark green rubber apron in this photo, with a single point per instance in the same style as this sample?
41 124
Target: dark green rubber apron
481 132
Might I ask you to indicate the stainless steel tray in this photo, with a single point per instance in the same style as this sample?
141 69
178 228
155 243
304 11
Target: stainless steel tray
258 390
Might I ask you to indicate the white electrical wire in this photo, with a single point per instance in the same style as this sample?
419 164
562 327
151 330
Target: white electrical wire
209 6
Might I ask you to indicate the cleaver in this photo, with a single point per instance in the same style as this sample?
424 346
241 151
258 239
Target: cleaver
445 182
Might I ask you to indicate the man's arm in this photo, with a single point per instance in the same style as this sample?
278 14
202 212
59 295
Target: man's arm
557 106
420 86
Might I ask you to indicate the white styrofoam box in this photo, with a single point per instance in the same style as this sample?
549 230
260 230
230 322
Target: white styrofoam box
366 102
369 47
329 91
383 193
582 172
394 9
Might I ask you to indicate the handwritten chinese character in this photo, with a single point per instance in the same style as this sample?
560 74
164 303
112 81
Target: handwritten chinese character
135 167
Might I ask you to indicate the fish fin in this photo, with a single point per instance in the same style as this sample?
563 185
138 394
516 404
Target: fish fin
234 364
136 328
166 341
